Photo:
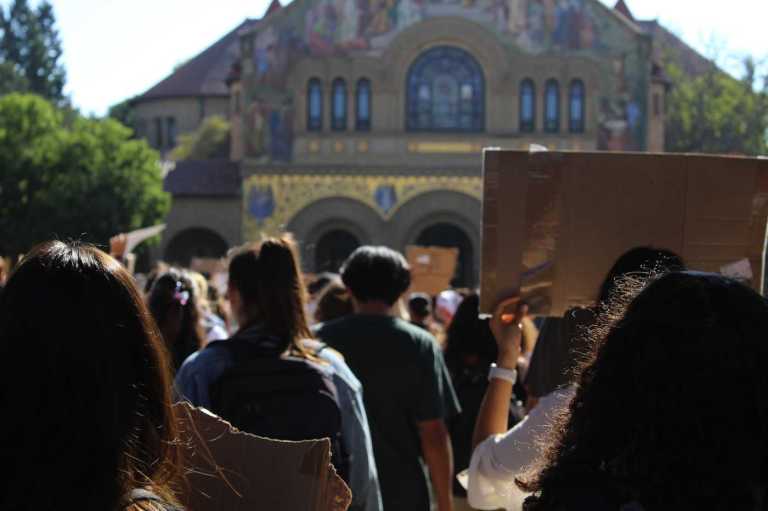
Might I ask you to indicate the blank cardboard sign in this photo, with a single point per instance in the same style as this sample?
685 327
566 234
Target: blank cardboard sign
554 222
228 470
432 268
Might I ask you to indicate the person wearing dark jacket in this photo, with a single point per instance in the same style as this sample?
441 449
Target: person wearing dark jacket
272 350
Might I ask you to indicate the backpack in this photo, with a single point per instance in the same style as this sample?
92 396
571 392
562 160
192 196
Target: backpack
280 397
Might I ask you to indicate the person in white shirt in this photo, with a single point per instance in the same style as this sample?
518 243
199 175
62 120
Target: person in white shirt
501 455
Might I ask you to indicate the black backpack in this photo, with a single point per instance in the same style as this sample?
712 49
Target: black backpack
285 398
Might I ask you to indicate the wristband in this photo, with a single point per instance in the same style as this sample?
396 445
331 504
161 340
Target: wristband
500 373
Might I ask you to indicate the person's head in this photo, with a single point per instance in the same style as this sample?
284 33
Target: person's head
562 342
266 287
446 304
320 282
158 268
86 387
173 302
376 274
202 293
639 261
663 413
469 340
419 307
333 302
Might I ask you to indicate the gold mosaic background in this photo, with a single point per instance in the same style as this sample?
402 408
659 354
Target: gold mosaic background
293 193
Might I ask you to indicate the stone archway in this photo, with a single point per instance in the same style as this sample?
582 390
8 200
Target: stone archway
195 242
313 224
333 248
443 218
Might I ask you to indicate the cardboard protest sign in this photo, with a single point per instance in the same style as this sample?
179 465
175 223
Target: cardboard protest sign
432 268
554 222
228 470
134 238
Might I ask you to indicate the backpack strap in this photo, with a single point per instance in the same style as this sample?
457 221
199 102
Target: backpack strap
321 348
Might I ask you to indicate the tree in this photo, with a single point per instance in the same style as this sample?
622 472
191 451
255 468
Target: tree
210 140
30 50
123 112
85 180
715 113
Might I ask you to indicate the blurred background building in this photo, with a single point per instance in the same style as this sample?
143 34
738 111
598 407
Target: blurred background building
363 121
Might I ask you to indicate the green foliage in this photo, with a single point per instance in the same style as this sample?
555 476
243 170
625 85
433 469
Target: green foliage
81 178
716 113
211 140
123 112
30 50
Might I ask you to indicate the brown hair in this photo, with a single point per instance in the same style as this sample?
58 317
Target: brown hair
87 390
272 289
334 302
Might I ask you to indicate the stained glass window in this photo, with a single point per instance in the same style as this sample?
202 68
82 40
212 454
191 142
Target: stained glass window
576 107
314 105
552 107
339 119
445 92
363 102
527 106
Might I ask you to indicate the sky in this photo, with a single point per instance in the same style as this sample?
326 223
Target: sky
115 49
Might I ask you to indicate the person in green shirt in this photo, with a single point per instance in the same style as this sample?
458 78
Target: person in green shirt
406 386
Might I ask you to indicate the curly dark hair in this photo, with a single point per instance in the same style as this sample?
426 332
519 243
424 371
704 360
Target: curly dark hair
671 411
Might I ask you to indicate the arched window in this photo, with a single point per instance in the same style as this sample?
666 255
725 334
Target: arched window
363 105
576 107
527 106
339 118
445 92
552 107
314 105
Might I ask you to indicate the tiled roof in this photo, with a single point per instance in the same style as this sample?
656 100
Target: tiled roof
667 46
205 74
211 178
622 7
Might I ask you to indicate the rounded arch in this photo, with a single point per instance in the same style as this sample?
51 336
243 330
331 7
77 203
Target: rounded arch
474 38
445 92
332 249
468 35
325 216
195 242
458 210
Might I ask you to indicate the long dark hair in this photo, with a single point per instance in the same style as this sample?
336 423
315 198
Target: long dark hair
86 385
563 342
272 289
469 340
174 305
671 408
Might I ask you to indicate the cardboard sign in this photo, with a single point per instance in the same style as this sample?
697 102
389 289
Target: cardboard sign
554 223
432 268
228 470
135 238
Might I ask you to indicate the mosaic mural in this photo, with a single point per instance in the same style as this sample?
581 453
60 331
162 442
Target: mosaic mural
273 200
324 28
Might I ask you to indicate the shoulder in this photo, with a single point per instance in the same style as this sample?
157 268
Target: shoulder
423 340
214 353
331 327
334 359
558 398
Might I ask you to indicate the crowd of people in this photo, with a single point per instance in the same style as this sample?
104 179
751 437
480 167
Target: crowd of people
651 398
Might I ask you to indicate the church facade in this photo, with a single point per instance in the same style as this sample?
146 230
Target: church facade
363 121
